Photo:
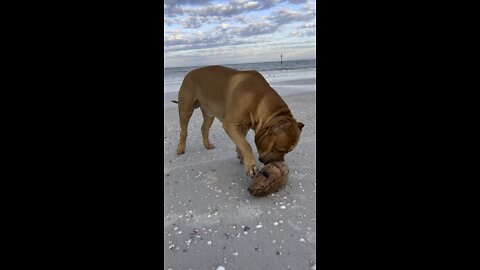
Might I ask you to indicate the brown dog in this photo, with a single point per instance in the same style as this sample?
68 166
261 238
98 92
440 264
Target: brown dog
241 100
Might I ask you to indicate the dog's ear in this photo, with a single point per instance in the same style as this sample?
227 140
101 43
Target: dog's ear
300 125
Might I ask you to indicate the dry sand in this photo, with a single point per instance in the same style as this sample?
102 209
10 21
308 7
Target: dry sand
212 221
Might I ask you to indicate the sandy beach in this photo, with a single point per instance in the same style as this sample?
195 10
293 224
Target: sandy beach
211 220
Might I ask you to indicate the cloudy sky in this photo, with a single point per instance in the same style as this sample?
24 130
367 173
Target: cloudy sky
205 32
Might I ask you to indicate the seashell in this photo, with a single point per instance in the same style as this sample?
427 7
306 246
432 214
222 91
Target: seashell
269 179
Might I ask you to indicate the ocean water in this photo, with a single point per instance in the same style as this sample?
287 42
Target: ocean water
274 72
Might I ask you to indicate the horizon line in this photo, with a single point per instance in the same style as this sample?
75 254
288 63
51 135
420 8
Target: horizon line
242 63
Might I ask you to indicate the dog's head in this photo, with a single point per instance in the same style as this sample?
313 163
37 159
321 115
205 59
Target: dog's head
278 139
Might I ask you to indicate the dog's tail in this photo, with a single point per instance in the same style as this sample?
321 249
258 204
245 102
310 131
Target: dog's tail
174 101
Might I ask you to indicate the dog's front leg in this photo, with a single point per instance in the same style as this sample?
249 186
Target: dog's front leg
235 133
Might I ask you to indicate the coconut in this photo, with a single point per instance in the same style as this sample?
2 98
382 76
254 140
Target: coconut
269 179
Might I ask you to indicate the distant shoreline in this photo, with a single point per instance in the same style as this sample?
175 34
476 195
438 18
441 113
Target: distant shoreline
247 63
307 81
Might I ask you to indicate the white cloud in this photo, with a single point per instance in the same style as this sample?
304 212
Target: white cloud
236 30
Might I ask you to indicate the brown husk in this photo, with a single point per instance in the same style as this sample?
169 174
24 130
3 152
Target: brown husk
269 179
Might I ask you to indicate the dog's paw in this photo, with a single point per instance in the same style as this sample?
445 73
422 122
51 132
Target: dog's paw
209 146
180 150
251 171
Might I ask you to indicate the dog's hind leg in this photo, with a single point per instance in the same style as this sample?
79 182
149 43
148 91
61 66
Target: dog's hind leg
207 123
186 105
